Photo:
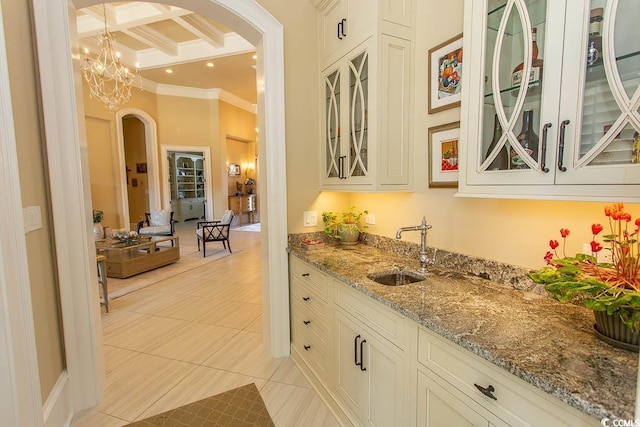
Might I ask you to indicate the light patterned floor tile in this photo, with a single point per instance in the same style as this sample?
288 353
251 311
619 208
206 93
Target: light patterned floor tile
232 314
97 419
288 373
144 333
116 356
118 319
194 343
133 387
291 406
255 326
199 384
245 354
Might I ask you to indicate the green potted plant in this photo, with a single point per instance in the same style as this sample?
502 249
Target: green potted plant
612 288
344 226
98 231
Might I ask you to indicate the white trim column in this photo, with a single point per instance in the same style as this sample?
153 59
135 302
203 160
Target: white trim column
20 401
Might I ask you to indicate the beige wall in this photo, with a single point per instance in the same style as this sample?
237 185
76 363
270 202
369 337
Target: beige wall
34 192
511 231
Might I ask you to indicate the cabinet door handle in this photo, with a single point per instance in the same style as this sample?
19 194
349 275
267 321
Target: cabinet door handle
355 350
305 274
487 391
306 322
543 160
306 298
339 32
362 368
341 167
563 125
344 21
307 347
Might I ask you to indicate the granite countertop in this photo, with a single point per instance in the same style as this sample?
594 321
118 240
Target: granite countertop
548 344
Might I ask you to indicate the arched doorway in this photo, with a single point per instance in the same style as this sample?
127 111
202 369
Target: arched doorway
66 145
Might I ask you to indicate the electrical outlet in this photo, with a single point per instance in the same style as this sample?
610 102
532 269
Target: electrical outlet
310 218
370 219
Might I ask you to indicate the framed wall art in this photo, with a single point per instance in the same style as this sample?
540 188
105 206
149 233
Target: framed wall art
234 169
445 75
443 155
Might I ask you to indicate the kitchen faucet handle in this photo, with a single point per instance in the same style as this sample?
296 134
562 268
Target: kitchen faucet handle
433 257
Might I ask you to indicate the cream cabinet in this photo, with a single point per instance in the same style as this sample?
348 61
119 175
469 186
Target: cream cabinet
583 99
187 181
365 138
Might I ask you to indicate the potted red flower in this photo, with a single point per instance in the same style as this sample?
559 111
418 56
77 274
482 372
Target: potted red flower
612 288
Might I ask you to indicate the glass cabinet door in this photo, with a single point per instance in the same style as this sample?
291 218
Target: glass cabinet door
333 167
358 99
515 34
606 127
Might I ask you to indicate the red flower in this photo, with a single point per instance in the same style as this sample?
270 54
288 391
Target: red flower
564 232
595 246
638 222
607 210
548 257
554 244
596 228
626 216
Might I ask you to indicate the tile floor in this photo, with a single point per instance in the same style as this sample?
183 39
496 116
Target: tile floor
194 335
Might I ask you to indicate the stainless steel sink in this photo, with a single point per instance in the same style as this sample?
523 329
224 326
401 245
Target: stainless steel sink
396 277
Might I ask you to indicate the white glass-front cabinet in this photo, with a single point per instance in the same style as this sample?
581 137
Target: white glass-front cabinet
582 99
366 112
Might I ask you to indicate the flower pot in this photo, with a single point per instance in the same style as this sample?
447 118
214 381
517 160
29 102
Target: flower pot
613 331
348 236
98 231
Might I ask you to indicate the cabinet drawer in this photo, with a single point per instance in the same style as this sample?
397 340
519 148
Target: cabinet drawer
309 319
383 320
311 350
518 403
304 297
310 276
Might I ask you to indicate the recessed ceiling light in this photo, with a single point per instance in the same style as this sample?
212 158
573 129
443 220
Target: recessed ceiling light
168 71
210 64
255 56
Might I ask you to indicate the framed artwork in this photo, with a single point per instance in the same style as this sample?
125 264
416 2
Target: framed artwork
141 168
445 75
443 155
234 169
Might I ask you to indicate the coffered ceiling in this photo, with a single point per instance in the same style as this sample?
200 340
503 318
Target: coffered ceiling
159 37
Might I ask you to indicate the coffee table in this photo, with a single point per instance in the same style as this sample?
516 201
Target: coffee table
125 259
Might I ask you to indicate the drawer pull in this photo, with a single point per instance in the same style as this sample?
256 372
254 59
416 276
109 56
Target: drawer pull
306 322
307 347
305 274
487 391
355 350
362 368
306 298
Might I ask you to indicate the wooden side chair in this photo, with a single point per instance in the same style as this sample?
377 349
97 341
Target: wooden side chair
215 231
157 223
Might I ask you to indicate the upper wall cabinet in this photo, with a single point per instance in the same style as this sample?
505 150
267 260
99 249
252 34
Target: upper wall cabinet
365 73
551 99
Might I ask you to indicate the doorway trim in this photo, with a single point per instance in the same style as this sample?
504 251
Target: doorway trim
150 144
67 156
208 188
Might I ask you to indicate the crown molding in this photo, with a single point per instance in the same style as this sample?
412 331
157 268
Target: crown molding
190 92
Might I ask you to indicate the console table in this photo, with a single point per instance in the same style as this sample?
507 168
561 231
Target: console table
243 204
125 259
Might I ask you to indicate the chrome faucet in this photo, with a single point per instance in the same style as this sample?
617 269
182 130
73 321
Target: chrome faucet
423 227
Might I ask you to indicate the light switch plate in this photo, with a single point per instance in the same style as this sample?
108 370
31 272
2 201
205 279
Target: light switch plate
310 218
370 219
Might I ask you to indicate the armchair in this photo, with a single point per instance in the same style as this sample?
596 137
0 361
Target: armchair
157 223
215 231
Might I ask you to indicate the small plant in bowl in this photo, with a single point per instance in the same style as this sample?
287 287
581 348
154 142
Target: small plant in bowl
345 226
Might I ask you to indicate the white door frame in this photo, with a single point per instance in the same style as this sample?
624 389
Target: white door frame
164 162
67 157
151 148
20 402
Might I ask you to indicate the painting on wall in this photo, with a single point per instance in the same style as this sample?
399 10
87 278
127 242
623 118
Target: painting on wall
141 167
234 169
443 155
445 75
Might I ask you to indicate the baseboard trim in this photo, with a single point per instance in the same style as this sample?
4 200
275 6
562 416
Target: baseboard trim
57 408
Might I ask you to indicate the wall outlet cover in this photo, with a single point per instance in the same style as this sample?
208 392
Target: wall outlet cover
370 219
310 219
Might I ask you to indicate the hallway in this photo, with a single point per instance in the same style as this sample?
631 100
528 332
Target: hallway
194 335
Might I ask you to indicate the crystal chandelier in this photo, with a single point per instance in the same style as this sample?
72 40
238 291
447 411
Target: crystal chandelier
109 80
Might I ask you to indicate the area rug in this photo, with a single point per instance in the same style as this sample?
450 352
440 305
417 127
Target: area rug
251 227
242 406
188 261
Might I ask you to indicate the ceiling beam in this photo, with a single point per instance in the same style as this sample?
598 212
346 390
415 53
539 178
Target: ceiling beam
153 39
202 28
